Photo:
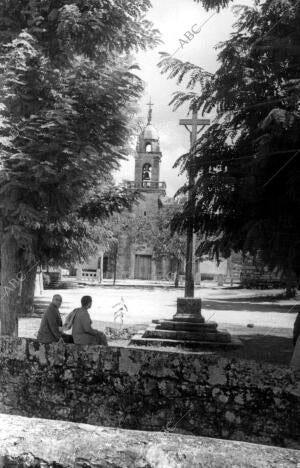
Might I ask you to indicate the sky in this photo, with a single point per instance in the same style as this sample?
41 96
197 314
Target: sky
174 19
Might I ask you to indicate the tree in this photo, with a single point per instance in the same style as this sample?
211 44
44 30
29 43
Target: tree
130 228
166 243
155 231
116 227
247 164
123 228
68 94
74 238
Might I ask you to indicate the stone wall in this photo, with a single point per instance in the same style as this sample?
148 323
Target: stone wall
151 390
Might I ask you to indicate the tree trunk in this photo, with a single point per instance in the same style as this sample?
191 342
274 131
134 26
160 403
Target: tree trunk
115 267
290 290
291 284
10 286
28 286
176 284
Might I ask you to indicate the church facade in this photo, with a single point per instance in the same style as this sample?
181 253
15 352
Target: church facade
136 261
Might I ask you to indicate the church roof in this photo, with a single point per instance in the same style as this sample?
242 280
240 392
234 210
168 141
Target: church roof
150 133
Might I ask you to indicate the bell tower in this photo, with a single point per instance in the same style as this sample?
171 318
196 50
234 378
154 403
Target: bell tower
140 262
147 164
148 156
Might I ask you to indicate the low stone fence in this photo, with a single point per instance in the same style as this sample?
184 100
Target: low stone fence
40 443
200 394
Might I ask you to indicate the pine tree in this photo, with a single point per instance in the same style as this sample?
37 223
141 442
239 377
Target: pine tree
68 95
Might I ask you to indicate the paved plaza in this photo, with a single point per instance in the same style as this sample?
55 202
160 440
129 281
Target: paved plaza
234 309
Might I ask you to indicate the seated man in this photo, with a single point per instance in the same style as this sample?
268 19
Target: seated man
82 330
50 330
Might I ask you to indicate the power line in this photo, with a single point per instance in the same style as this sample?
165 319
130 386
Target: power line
279 170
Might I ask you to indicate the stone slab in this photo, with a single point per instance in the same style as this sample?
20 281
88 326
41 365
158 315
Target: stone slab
188 318
188 326
139 340
187 335
41 442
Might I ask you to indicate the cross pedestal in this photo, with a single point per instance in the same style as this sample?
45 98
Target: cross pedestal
189 310
186 329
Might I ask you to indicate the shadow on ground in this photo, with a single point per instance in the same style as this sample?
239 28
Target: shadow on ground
245 304
263 298
270 348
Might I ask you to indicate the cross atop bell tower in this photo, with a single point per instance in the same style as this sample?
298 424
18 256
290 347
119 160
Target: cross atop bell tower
148 155
150 104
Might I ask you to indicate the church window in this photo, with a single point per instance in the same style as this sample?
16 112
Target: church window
146 175
148 147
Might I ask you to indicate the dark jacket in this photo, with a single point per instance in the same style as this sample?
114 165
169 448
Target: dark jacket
49 327
82 330
296 331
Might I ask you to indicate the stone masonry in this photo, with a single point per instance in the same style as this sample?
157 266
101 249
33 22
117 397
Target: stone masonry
189 393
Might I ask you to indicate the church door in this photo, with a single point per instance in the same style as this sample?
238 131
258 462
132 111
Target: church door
142 268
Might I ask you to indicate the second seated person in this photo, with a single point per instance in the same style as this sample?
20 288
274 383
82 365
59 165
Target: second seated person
82 330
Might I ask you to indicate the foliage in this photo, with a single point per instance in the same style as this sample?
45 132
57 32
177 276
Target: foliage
125 227
102 204
247 164
92 28
164 242
152 231
88 229
118 229
213 4
68 93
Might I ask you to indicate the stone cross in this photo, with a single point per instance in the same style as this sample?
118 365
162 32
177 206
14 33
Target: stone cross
189 271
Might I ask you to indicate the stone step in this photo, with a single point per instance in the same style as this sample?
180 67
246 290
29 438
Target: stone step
139 340
185 318
188 318
187 326
152 332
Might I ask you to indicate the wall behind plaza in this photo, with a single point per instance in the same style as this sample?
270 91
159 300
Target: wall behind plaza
151 390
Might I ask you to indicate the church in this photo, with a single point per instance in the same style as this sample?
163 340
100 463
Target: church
136 261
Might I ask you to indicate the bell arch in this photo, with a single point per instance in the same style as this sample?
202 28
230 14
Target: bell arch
146 172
